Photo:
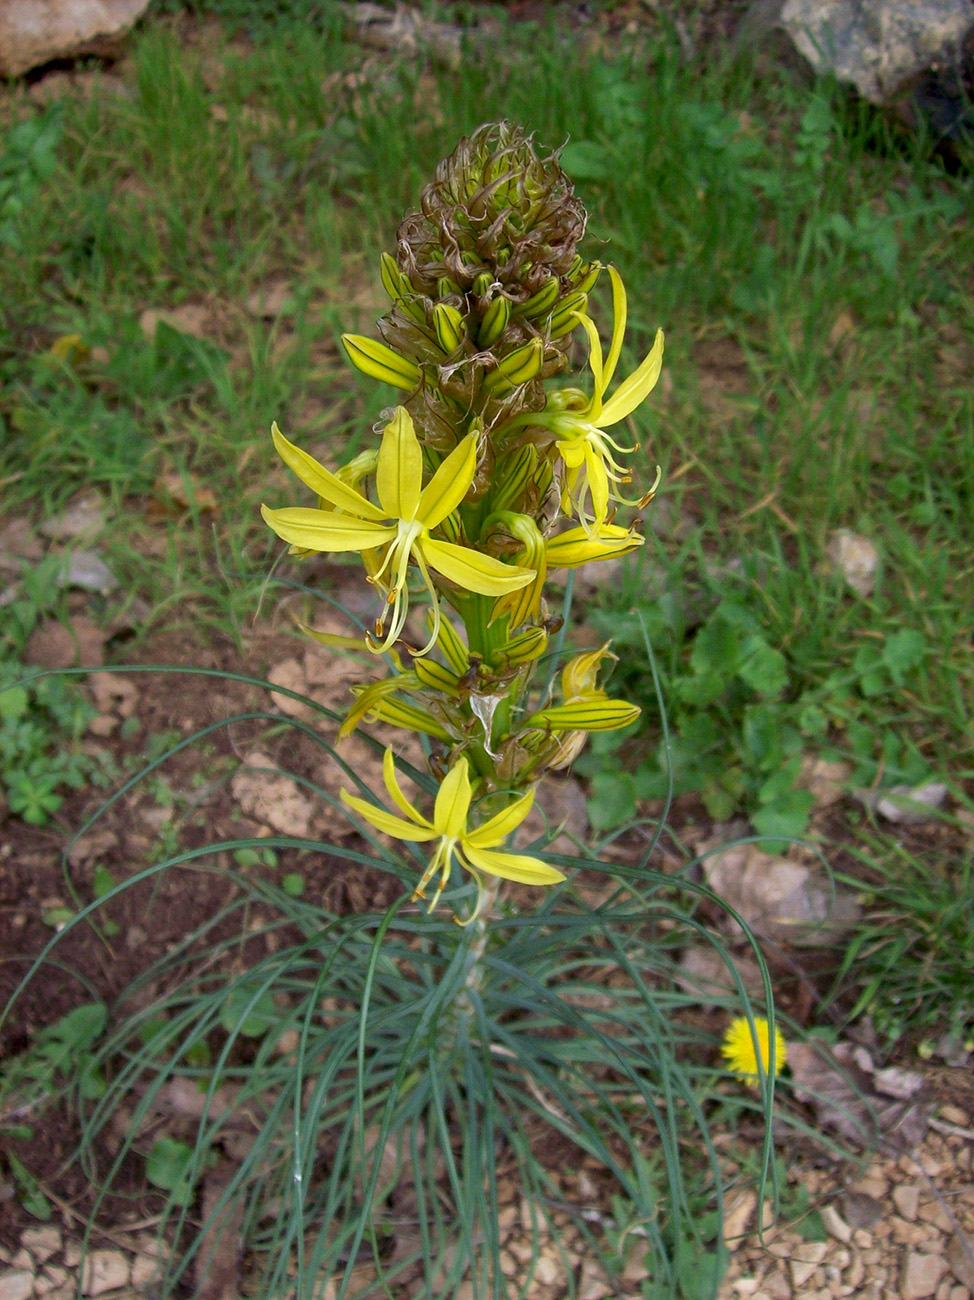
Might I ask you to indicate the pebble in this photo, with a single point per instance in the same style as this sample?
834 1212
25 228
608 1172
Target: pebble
921 1275
41 1242
16 1284
906 1198
835 1225
104 1270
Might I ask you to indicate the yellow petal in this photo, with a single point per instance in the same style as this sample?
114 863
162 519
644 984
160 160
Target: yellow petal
634 390
496 830
385 822
581 671
472 570
395 790
575 547
595 364
450 484
619 313
453 801
327 485
514 866
399 471
326 530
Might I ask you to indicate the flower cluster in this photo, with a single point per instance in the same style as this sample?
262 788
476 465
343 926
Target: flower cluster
484 480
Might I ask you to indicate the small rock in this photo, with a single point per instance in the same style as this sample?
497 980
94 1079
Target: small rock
88 572
910 805
85 518
738 1216
936 1214
191 318
906 1198
779 898
835 1225
54 645
42 1242
860 1210
921 1275
855 557
114 693
961 1261
16 1284
704 974
19 541
271 797
805 1261
104 1270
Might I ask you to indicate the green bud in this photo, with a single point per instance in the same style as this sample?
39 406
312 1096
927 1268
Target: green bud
449 643
482 283
512 476
399 289
563 318
380 362
540 303
598 713
588 274
448 324
518 367
494 322
435 677
521 649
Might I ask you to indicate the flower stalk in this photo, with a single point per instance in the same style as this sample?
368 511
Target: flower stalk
488 475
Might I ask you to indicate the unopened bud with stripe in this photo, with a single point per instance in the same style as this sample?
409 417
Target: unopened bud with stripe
518 367
378 361
494 322
449 327
540 303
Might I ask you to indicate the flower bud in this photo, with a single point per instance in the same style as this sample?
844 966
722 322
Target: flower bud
380 362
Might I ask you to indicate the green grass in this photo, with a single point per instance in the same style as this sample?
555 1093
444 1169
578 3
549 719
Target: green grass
810 268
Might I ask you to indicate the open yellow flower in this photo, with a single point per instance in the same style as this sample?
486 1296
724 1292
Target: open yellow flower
399 527
742 1043
475 850
579 422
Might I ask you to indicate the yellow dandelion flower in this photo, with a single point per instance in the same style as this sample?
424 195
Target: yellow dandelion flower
742 1042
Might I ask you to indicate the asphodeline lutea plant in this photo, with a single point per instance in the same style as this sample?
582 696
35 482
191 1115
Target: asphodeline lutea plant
488 475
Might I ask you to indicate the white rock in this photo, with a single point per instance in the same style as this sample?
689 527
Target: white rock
909 804
855 557
33 32
16 1283
104 1270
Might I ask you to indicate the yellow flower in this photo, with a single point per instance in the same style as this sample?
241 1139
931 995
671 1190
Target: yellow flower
579 422
475 850
399 527
744 1040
